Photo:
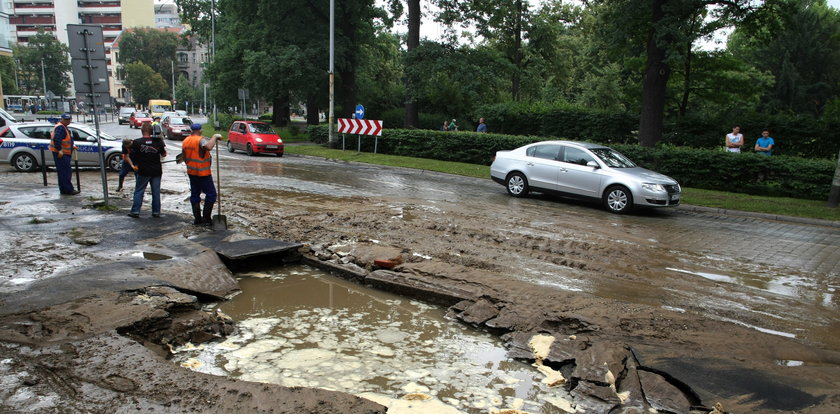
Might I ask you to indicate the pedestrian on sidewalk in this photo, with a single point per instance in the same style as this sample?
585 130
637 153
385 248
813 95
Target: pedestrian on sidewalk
146 153
61 146
196 149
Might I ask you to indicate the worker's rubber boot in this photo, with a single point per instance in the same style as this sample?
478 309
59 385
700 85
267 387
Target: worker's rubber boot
196 207
119 187
208 214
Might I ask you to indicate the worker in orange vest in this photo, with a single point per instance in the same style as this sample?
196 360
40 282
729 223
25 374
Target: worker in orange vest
196 149
61 146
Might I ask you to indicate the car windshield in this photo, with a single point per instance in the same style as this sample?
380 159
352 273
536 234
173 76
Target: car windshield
180 121
141 115
613 158
260 128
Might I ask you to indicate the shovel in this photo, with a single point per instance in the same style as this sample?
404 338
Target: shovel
219 220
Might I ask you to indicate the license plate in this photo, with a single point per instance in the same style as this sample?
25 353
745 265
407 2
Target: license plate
271 147
675 197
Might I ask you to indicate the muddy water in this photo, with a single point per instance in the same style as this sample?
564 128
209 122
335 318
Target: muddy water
300 327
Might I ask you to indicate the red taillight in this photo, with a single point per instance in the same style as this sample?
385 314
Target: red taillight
1 141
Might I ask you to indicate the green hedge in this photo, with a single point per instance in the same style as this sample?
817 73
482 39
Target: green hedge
795 135
559 121
692 167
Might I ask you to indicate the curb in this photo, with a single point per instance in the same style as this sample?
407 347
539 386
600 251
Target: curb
752 214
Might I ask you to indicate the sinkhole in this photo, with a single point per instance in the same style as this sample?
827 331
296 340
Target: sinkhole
299 326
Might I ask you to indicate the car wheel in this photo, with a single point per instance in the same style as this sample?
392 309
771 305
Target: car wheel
517 185
114 162
279 154
618 199
230 147
250 150
25 162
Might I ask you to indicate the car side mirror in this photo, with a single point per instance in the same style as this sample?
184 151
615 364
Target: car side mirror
593 164
91 138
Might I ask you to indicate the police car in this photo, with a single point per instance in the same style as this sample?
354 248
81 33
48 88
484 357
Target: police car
21 145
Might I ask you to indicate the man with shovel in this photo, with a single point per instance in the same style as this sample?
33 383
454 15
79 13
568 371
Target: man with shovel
196 149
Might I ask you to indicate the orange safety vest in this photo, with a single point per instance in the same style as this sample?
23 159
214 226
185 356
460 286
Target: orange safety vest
196 164
66 143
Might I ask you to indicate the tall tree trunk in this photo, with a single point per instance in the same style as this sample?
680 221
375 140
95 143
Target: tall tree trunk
313 114
412 116
517 53
281 111
654 89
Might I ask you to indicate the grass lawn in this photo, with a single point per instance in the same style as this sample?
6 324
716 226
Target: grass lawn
694 196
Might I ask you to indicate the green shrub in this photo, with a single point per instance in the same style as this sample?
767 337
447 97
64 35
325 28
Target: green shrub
693 167
559 120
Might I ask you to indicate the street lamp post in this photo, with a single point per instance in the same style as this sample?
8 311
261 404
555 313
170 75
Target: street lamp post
44 78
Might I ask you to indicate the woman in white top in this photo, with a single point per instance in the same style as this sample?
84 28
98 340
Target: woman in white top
735 140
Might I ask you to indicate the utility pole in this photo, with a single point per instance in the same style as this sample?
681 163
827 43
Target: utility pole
213 55
332 71
44 78
173 86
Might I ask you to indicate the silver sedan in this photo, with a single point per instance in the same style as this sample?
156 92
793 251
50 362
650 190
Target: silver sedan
584 170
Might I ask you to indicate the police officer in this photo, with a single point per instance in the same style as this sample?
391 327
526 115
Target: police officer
61 146
196 149
157 130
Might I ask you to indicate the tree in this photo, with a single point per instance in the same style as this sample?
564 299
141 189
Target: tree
7 72
798 42
44 54
184 92
156 48
144 83
664 27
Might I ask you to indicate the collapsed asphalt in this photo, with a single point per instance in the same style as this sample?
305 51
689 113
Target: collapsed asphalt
92 299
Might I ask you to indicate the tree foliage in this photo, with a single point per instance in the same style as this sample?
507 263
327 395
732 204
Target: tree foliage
144 83
798 42
44 54
153 47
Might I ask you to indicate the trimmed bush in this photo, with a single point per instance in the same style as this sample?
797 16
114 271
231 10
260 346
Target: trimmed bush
692 167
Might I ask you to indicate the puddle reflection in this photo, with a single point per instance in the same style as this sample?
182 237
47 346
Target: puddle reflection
301 327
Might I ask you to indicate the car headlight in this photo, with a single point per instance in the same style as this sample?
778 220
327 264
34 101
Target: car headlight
258 139
656 188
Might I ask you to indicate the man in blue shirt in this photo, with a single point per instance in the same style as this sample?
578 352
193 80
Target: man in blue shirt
764 145
482 127
61 146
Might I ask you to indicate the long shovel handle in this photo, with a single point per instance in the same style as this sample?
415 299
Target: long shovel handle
218 177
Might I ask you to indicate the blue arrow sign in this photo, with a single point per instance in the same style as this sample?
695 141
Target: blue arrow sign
360 112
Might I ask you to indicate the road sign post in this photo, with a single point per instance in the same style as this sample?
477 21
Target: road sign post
87 50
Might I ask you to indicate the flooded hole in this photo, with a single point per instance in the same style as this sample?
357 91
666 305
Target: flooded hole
298 326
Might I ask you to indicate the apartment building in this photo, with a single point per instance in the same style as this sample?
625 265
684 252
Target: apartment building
27 17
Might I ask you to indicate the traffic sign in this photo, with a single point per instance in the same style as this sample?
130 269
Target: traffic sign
359 126
360 112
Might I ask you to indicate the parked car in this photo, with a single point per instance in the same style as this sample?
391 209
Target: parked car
137 118
125 114
21 146
254 137
583 170
175 127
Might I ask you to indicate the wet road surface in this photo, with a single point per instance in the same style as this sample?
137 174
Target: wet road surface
773 276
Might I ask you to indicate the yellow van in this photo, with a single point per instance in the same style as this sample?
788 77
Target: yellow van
158 106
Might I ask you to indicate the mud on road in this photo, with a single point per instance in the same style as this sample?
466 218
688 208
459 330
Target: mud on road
496 270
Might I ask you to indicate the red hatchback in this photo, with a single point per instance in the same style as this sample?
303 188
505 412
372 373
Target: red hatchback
254 137
137 118
175 127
